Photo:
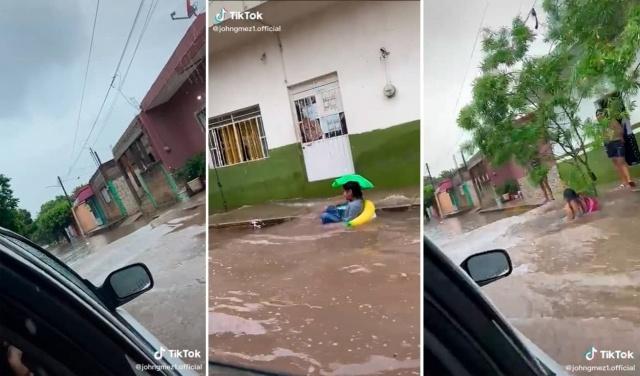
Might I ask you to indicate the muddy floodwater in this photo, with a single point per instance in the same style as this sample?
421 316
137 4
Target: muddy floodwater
307 299
574 286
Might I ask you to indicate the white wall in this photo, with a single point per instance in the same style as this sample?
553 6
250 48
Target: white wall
343 38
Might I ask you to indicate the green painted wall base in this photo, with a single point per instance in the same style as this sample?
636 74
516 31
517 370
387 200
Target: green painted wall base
389 157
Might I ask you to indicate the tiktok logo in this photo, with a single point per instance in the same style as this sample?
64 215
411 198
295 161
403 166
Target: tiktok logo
158 354
219 17
589 355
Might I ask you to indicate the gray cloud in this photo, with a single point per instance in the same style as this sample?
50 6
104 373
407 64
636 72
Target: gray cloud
45 46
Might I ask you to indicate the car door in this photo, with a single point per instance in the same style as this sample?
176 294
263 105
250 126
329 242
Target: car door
463 333
50 327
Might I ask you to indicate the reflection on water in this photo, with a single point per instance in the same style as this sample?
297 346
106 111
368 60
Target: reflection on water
305 298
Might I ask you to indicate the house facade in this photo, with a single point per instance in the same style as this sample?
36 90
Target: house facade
87 210
115 198
151 185
330 88
168 131
173 110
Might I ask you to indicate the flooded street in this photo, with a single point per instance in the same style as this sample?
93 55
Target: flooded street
172 247
307 299
574 285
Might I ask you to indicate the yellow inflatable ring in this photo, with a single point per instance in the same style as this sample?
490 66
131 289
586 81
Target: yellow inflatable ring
368 213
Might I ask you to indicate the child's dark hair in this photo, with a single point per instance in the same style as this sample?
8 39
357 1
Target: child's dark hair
570 195
354 187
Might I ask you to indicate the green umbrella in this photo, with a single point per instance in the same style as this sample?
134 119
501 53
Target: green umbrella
364 183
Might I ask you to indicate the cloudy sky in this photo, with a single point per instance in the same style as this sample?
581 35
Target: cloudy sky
450 29
45 46
451 65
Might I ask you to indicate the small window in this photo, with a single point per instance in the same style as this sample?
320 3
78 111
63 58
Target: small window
105 195
237 137
201 118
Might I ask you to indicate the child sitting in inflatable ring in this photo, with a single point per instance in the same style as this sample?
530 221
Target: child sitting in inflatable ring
346 211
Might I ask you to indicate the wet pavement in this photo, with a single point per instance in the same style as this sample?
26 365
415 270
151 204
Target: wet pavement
172 246
574 285
306 299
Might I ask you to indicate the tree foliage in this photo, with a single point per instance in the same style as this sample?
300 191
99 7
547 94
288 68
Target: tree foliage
8 204
54 216
521 100
447 174
429 195
11 216
602 37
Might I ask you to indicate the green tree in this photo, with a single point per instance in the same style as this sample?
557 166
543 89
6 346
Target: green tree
447 174
55 215
603 39
541 90
429 195
8 204
24 222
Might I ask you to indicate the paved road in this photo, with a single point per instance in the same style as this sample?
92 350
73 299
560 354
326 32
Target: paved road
575 285
173 247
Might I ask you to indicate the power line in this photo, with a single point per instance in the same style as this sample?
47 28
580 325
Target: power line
152 8
93 125
86 73
475 43
473 51
147 20
124 50
464 80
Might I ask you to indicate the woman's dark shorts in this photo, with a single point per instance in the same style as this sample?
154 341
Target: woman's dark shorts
615 149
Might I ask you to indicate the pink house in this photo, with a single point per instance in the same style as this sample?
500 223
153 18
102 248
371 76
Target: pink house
485 176
173 111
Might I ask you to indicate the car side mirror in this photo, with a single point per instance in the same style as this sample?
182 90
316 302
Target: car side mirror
488 266
125 284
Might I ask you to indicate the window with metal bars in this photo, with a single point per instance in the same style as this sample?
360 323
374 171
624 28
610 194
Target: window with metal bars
237 137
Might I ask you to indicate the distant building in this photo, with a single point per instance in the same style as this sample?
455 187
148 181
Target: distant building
112 193
87 209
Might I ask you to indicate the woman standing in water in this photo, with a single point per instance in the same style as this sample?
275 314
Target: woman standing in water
614 146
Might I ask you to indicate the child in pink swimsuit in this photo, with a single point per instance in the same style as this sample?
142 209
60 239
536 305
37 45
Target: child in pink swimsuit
577 206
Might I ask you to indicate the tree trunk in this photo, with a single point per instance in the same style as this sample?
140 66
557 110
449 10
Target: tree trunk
66 236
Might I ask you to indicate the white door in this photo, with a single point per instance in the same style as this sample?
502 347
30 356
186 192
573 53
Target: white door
323 131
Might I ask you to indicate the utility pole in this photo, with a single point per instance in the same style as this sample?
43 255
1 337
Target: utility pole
75 218
435 195
95 157
429 173
455 163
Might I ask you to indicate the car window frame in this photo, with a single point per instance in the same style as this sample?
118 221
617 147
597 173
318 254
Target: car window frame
90 301
26 246
455 279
